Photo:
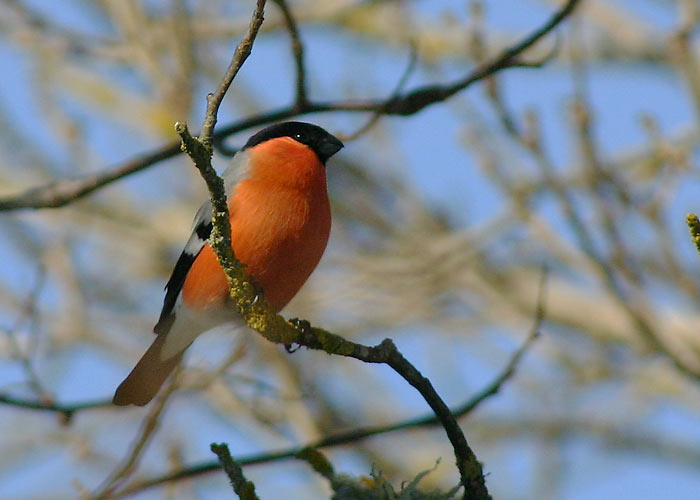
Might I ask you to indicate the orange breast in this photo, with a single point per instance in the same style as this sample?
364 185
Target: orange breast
280 222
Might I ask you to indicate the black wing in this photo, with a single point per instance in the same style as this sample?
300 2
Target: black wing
200 234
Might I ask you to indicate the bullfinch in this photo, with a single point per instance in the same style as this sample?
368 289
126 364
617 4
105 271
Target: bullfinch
280 221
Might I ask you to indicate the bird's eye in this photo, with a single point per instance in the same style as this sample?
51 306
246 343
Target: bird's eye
298 137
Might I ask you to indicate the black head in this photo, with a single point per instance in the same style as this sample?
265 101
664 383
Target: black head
321 142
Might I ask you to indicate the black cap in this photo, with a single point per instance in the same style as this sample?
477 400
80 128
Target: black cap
321 142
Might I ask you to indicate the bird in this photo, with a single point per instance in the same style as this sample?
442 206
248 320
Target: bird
280 224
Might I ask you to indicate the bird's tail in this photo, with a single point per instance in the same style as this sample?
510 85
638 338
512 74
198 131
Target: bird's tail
147 376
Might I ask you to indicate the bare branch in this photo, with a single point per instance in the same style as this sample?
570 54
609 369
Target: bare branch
359 433
242 52
58 194
338 439
420 98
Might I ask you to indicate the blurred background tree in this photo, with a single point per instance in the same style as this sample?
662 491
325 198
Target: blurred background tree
442 222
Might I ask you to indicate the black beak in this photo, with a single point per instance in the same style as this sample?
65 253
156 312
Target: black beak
329 146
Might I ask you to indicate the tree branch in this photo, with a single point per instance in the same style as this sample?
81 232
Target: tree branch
352 435
240 55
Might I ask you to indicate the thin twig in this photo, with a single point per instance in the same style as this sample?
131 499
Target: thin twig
412 60
418 99
301 97
67 411
58 194
240 55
